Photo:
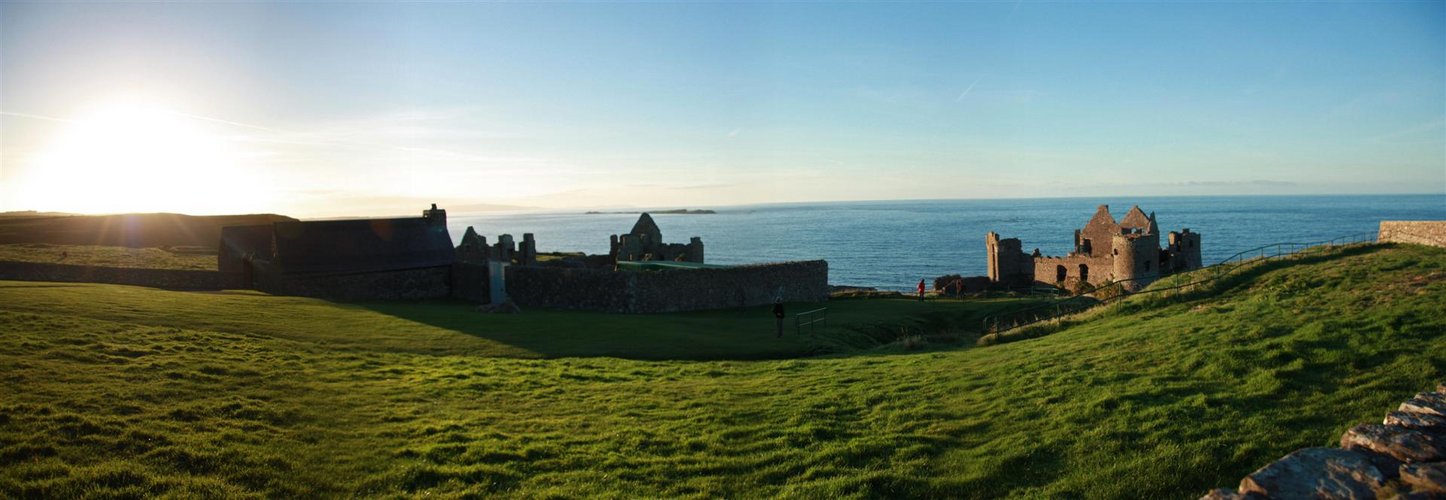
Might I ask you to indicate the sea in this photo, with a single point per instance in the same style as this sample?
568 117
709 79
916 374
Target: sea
891 245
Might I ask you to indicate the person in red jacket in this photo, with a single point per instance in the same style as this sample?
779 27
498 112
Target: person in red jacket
921 290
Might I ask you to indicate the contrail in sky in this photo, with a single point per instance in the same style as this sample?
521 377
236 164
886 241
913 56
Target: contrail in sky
224 122
37 117
966 91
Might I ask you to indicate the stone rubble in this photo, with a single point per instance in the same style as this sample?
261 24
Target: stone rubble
1415 420
1402 457
1425 478
1316 473
1426 403
1400 443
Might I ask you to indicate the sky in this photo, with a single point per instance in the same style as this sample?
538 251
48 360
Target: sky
333 109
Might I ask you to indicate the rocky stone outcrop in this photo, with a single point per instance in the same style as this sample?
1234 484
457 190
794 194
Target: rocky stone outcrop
1400 443
1403 457
1425 478
1426 403
1229 494
1316 473
1415 420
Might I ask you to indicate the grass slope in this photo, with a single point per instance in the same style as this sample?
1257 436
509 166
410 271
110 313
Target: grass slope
103 256
116 390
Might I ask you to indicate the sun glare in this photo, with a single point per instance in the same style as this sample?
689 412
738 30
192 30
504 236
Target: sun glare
137 158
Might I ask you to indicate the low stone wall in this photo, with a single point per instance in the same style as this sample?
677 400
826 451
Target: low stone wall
470 281
668 290
1404 457
410 284
719 288
1420 232
561 288
174 279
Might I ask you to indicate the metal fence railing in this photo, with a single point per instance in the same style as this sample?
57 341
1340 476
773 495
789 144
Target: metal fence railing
1010 320
811 320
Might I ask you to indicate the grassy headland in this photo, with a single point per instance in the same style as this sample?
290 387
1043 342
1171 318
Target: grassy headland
120 390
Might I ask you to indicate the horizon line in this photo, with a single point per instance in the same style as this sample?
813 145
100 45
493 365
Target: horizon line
527 209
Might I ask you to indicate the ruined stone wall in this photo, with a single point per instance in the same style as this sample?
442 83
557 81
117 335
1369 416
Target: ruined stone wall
1007 261
1184 247
410 284
1420 232
1402 457
668 290
174 279
1046 269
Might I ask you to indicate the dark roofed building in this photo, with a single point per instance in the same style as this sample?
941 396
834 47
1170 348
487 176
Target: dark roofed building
360 259
340 246
240 244
364 245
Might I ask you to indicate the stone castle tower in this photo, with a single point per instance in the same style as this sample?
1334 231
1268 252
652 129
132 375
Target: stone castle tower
1104 250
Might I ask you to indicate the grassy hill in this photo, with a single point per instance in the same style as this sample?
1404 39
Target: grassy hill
118 390
123 230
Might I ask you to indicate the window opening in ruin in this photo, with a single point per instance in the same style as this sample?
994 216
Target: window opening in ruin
1060 273
1084 272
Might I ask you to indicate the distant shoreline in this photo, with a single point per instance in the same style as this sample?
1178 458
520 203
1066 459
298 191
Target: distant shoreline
680 211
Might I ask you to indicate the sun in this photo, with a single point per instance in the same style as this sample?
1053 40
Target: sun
135 157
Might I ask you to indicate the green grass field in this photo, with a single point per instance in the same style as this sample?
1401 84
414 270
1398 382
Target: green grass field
107 256
112 390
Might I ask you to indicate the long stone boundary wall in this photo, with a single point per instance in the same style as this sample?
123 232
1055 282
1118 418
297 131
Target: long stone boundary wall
470 281
1402 457
175 279
668 290
410 284
561 288
1420 232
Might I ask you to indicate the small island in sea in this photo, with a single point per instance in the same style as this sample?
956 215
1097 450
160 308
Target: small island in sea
680 211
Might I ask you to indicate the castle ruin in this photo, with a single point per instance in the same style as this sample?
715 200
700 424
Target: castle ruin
474 248
645 242
1127 251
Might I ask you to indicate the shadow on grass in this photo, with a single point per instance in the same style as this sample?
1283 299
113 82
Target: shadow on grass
734 334
856 326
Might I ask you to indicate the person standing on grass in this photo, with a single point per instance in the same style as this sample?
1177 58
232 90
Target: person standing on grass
921 290
778 314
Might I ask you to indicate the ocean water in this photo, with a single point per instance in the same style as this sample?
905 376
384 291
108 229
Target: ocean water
891 245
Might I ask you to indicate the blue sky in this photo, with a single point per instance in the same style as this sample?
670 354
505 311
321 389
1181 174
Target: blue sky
335 108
